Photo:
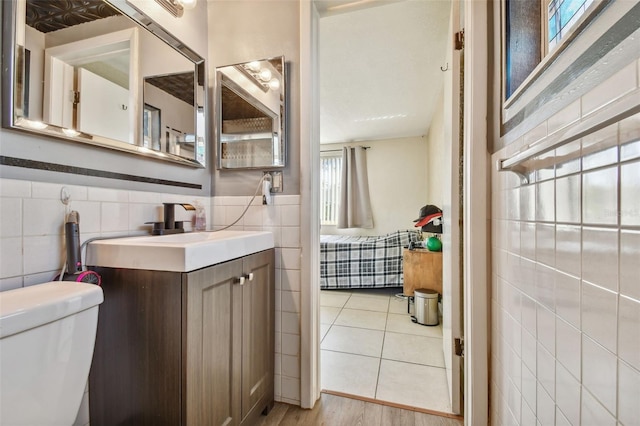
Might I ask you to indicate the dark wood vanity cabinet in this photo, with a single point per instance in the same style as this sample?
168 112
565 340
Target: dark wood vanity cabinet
192 348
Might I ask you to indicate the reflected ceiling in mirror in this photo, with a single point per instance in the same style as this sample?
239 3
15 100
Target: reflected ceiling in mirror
86 71
251 115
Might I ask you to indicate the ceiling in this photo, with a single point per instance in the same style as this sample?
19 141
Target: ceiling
380 62
46 16
180 85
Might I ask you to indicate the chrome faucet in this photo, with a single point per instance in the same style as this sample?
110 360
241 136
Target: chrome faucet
170 225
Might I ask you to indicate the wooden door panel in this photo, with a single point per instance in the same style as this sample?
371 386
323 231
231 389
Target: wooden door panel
213 345
135 376
258 330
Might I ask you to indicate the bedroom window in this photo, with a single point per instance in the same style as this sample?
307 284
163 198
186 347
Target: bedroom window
330 171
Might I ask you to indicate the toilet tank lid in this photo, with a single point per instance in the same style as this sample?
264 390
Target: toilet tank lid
29 307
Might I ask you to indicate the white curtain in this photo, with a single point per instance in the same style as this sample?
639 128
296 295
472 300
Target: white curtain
355 204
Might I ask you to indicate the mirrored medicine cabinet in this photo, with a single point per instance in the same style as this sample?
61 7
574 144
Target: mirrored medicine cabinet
250 129
86 71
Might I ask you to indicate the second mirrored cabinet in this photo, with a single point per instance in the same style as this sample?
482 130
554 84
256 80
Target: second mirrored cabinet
250 125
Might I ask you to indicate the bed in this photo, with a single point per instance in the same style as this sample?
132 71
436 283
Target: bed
363 262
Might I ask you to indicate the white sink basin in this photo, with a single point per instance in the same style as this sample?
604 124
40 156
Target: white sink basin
177 252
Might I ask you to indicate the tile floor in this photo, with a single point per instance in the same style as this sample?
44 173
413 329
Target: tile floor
371 348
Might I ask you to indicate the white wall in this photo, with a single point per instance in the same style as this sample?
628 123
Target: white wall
35 42
565 299
398 184
247 30
181 116
437 167
156 58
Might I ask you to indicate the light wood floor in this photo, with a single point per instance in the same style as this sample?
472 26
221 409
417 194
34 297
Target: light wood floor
333 410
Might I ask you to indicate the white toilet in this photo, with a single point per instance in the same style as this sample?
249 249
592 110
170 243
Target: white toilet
47 335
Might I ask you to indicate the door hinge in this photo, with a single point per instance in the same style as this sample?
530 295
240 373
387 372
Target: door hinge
458 344
76 97
459 40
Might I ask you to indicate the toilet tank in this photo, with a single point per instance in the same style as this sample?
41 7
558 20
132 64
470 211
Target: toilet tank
47 336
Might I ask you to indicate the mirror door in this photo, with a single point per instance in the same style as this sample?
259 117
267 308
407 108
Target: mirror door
251 115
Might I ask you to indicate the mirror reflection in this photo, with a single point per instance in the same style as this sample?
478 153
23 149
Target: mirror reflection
251 106
85 71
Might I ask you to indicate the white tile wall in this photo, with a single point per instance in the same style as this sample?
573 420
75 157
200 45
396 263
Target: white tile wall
566 256
629 331
32 223
614 87
32 229
630 194
283 219
568 395
563 118
628 384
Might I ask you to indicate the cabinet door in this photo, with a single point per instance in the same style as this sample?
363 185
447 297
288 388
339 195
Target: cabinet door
136 373
213 345
258 332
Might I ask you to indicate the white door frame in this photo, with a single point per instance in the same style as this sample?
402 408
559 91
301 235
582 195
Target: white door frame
476 207
476 218
452 304
309 207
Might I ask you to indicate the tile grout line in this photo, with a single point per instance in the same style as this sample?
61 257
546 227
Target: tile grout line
414 363
334 320
351 353
384 336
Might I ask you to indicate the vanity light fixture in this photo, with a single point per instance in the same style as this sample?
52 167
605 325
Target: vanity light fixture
264 75
274 84
187 4
254 66
177 7
261 77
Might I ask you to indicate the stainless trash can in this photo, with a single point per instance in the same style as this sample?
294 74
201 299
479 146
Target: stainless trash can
426 306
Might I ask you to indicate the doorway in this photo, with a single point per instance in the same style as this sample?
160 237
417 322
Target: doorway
351 330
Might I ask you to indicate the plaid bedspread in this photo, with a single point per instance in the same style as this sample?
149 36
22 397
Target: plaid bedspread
363 262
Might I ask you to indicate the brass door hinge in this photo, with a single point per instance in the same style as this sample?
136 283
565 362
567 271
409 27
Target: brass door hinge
459 40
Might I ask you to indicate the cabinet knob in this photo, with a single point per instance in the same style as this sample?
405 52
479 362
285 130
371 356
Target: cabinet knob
241 280
250 276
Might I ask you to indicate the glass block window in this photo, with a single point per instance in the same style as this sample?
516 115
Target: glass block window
563 14
330 172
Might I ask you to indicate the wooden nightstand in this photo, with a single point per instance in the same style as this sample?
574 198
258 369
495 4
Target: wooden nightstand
421 269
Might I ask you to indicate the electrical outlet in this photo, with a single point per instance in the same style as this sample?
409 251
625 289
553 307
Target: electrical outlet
276 181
